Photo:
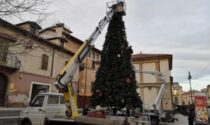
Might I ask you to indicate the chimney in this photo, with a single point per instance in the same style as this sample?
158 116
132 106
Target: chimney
59 29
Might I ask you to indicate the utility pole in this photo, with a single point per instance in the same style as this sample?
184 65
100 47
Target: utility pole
189 78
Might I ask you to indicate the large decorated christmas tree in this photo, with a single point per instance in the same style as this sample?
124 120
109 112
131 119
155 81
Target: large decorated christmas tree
115 85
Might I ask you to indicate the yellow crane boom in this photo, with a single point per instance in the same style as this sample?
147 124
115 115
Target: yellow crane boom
64 78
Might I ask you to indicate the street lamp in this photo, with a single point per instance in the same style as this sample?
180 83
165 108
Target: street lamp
189 78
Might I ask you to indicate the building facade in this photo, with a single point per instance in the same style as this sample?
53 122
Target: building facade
188 97
149 84
60 35
31 58
177 93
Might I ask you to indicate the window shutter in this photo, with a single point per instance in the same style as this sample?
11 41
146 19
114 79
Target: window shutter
93 64
45 61
93 55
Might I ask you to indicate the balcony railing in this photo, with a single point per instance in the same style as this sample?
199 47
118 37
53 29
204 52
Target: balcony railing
11 62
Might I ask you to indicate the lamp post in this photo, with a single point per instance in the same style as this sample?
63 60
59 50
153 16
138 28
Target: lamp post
189 78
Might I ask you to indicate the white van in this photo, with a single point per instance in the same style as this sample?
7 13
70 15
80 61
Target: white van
44 106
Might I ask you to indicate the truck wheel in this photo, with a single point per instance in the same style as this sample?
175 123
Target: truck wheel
68 113
26 123
154 121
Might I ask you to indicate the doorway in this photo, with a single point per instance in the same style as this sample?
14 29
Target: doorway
37 88
3 87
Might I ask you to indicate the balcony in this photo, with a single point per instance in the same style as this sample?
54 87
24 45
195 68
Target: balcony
10 62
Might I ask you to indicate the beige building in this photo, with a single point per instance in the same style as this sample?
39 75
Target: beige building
86 73
188 98
177 93
30 60
148 84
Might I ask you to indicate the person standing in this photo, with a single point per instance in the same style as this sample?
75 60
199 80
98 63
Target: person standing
85 110
191 115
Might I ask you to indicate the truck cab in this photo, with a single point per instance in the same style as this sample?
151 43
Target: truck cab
43 107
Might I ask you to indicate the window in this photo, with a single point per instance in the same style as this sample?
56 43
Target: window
176 100
92 84
89 54
97 56
3 55
81 67
38 88
44 61
93 54
93 64
38 102
53 99
62 44
33 30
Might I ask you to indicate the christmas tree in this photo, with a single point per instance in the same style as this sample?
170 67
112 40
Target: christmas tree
115 84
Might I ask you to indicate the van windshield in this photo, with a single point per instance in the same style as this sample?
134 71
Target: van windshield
38 102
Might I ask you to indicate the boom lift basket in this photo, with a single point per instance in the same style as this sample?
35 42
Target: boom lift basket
118 7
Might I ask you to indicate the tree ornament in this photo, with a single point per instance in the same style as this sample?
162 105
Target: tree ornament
122 46
128 80
97 90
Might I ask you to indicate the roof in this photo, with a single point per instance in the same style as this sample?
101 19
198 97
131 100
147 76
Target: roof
52 27
81 42
68 36
37 38
5 36
188 92
144 56
137 57
30 22
60 38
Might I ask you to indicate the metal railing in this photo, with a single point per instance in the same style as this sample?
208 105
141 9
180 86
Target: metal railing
10 61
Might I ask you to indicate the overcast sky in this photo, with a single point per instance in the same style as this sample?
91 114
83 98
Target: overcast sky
177 27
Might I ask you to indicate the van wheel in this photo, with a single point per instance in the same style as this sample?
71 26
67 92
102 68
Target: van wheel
26 123
154 121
